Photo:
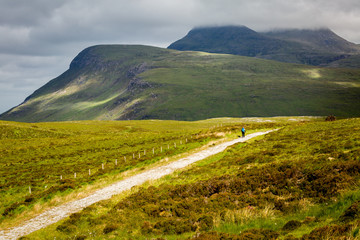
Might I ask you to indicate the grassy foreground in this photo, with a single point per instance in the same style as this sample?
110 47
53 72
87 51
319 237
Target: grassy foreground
300 182
46 164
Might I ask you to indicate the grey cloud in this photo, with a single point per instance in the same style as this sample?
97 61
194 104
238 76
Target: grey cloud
20 13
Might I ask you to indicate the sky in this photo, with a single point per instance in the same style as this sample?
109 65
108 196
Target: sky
39 38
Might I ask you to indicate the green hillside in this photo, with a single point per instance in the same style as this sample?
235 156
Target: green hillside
349 62
139 82
300 182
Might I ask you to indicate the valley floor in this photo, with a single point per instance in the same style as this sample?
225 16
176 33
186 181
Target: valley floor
56 214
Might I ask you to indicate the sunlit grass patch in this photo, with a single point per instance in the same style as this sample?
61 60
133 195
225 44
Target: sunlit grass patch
312 73
348 84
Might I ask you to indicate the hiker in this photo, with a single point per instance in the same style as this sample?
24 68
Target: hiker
243 132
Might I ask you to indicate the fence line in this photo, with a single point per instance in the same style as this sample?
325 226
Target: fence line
90 172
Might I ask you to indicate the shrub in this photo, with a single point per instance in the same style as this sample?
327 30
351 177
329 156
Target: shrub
330 118
146 228
328 232
260 234
352 213
290 237
66 228
214 236
110 228
206 222
81 237
10 210
173 226
74 218
291 225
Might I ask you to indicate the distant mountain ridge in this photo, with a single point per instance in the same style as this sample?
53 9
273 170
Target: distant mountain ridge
318 47
319 39
120 82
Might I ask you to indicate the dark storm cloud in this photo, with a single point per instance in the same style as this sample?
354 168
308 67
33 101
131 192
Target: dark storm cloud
40 37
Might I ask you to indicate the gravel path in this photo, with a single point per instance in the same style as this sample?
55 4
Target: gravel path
57 213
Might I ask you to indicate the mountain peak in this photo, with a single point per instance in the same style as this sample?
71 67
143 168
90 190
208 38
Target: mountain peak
223 29
306 46
239 40
323 39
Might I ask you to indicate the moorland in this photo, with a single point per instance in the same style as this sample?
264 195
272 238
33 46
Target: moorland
300 182
41 162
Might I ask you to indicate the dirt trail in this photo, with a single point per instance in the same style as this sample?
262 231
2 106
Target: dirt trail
57 213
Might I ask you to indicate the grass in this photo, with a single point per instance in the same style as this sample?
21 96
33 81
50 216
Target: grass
46 156
301 181
38 155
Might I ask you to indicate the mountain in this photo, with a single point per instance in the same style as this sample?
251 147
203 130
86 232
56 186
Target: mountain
230 40
141 82
313 47
322 39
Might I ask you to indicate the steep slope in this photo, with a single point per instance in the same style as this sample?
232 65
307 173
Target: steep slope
313 47
99 79
140 82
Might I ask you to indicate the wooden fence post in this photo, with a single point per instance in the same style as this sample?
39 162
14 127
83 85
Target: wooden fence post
102 166
89 172
29 189
125 158
115 162
74 175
